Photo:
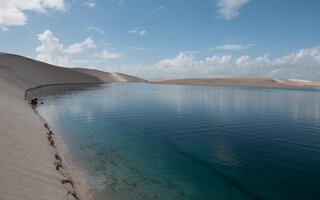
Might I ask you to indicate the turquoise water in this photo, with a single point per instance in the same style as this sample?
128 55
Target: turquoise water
146 141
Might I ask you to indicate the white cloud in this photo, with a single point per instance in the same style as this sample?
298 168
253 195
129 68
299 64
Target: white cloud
12 12
303 64
91 3
108 55
232 47
96 29
138 31
229 9
53 52
79 47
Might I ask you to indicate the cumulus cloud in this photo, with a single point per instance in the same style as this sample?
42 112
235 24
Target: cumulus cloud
108 55
12 12
53 52
79 47
229 9
232 47
95 29
303 64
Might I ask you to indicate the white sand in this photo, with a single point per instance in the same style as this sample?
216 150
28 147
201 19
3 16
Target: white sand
263 82
108 76
27 161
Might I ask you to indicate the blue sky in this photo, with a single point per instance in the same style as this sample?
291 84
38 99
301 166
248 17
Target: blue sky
168 38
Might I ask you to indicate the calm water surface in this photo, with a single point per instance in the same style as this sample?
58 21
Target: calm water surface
145 141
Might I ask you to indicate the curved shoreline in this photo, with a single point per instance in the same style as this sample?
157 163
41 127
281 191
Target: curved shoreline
72 185
60 164
28 159
57 84
32 167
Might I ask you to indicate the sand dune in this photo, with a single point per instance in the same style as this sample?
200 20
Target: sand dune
108 76
263 82
27 160
27 73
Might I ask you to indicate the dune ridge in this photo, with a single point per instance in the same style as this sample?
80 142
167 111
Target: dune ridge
109 76
250 81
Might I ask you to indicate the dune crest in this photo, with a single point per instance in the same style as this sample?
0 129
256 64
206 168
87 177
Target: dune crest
109 76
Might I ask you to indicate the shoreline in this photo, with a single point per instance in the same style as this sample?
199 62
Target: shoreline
31 168
28 96
72 181
60 164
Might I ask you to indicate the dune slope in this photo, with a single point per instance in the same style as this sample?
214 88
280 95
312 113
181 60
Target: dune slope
27 160
27 73
108 76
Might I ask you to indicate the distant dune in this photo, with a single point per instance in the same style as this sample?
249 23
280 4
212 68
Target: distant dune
262 82
108 76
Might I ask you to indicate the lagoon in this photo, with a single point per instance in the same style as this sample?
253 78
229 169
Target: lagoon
148 141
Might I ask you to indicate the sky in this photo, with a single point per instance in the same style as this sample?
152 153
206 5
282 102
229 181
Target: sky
168 38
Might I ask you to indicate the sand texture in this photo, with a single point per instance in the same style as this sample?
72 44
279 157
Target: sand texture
30 164
108 76
262 82
27 168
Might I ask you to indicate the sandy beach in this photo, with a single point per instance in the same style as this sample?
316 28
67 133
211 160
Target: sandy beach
31 165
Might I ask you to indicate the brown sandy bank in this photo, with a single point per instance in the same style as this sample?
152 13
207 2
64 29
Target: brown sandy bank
262 82
30 164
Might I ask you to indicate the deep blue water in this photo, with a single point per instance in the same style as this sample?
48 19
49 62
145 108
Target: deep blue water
146 141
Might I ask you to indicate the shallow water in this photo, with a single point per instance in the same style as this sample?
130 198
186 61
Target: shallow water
147 141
